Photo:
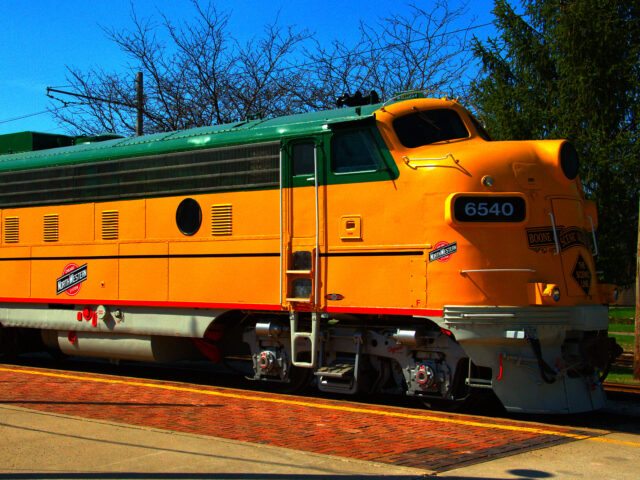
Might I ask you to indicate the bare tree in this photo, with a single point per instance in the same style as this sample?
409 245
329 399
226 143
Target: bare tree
197 74
419 51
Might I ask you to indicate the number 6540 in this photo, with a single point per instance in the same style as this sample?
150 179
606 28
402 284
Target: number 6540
483 209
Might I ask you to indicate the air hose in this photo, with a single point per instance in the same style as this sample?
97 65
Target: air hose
545 369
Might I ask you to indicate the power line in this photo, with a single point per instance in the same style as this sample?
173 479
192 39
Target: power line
66 105
88 97
28 115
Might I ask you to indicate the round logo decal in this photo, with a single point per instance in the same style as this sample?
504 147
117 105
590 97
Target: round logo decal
444 250
76 288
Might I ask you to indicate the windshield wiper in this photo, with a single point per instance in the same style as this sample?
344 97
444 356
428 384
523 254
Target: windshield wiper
426 119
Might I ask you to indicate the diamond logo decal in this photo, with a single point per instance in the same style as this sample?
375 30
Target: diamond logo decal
582 274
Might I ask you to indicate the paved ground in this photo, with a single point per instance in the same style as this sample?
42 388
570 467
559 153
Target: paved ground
611 457
43 445
396 436
76 425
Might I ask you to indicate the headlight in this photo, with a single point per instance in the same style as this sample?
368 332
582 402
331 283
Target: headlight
487 181
569 160
551 290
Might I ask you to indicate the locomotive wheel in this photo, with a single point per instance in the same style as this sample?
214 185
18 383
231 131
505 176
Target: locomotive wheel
300 378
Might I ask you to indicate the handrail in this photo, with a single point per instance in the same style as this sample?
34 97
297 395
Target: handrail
317 252
555 235
531 270
281 229
410 161
593 232
410 94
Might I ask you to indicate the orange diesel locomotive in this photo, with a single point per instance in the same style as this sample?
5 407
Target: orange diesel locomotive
390 247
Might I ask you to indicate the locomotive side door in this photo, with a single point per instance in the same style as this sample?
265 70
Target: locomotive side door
302 225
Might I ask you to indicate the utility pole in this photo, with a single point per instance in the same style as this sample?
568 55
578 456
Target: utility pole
139 106
636 344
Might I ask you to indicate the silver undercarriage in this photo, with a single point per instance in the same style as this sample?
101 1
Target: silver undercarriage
535 359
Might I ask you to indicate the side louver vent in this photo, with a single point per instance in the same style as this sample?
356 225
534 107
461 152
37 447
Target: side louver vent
109 224
221 219
11 230
51 227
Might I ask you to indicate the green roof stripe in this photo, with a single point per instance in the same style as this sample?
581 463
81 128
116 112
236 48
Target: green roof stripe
252 131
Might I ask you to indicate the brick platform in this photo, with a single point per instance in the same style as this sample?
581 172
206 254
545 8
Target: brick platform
422 439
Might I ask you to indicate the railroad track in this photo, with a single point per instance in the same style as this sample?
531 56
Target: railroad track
624 360
621 387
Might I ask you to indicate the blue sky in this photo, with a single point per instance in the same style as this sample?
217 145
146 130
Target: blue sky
39 38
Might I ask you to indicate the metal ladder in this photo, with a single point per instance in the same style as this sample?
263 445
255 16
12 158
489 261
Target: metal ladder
312 336
309 271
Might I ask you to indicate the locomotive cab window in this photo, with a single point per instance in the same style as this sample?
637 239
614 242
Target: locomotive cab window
302 159
424 127
354 151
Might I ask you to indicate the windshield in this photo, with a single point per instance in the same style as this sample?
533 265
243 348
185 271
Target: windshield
424 127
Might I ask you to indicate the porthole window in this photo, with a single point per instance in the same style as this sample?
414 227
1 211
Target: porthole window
189 216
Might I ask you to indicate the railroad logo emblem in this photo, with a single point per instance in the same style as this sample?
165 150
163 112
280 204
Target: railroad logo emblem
541 240
443 251
582 274
71 279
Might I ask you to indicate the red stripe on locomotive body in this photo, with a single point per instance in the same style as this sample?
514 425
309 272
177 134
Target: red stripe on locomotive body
134 303
234 306
387 311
